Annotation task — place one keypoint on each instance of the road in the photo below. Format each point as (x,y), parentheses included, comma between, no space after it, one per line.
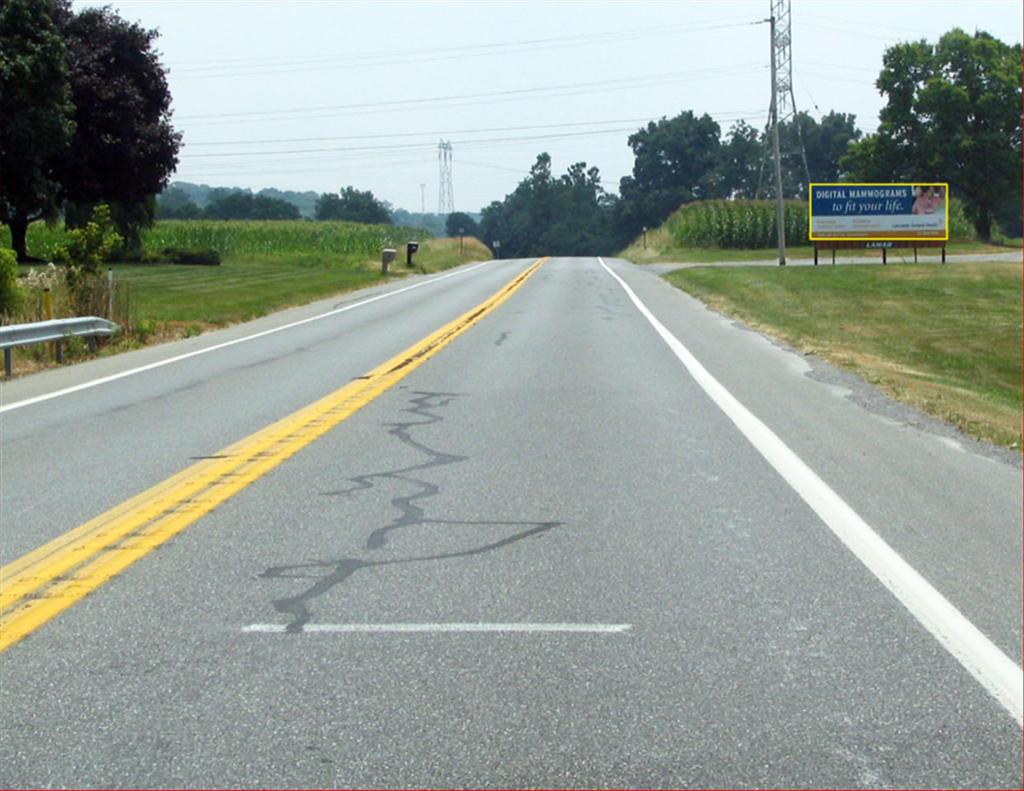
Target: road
(595,536)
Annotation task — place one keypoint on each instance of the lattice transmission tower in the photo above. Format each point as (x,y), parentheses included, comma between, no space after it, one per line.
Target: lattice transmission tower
(783,103)
(445,189)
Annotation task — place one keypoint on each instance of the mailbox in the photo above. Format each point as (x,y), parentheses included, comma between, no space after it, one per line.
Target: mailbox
(410,251)
(387,255)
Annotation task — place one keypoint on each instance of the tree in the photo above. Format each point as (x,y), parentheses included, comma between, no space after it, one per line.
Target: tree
(35,115)
(824,144)
(175,203)
(246,206)
(545,215)
(352,205)
(460,224)
(676,162)
(124,148)
(740,159)
(953,113)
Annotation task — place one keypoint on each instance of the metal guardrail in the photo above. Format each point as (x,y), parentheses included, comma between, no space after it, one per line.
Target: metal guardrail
(55,330)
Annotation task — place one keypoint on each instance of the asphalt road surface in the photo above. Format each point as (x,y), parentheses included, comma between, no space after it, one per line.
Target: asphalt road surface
(600,537)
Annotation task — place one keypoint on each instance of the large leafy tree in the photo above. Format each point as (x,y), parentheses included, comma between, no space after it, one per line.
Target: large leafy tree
(953,113)
(35,114)
(676,161)
(740,159)
(552,215)
(352,205)
(124,149)
(824,144)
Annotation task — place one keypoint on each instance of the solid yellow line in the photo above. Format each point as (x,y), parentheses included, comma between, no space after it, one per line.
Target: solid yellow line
(39,585)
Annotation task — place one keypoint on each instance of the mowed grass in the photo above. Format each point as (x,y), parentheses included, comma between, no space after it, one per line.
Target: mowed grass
(246,286)
(945,339)
(663,248)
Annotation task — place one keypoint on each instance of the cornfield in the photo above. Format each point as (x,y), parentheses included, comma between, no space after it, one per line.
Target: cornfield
(246,237)
(746,224)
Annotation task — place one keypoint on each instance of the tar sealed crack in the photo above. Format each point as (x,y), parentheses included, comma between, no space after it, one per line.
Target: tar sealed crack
(412,506)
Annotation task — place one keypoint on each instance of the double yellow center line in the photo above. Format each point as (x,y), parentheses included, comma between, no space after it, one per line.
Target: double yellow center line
(43,583)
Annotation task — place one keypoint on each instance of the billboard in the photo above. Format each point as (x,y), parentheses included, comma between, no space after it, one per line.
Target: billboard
(878,212)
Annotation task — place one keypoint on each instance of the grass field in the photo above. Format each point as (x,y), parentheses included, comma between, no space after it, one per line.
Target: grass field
(247,286)
(946,340)
(266,266)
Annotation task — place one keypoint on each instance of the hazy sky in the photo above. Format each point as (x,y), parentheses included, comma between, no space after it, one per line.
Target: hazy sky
(319,95)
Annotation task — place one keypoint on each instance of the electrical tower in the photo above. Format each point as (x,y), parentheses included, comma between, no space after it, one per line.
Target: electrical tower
(445,190)
(781,110)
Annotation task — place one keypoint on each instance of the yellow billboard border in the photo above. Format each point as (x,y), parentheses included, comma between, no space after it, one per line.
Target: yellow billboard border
(810,211)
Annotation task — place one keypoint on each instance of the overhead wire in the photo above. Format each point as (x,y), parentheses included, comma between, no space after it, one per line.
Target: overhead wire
(377,59)
(365,106)
(442,132)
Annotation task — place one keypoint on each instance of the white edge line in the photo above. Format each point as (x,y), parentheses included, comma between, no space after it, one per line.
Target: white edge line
(993,669)
(226,344)
(351,628)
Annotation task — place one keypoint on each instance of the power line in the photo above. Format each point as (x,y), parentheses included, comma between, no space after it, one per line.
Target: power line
(873,25)
(426,50)
(378,136)
(399,146)
(486,95)
(376,60)
(366,158)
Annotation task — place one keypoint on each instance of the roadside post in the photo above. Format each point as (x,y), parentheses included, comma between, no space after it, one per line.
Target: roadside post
(461,232)
(496,245)
(410,251)
(58,351)
(645,237)
(387,255)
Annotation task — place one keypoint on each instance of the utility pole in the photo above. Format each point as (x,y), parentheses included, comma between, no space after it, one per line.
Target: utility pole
(445,190)
(782,109)
(780,206)
(423,199)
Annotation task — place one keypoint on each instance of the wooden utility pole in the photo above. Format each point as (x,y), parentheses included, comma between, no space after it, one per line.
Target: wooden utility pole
(780,206)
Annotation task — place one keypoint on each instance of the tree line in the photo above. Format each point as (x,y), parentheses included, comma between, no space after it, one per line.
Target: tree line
(676,161)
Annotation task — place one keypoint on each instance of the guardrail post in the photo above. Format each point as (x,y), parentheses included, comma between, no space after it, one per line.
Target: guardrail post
(58,349)
(7,363)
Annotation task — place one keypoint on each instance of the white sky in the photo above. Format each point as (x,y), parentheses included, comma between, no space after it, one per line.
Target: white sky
(367,75)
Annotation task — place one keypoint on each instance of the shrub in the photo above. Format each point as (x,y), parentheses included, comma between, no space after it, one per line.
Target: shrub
(960,227)
(10,292)
(87,247)
(206,256)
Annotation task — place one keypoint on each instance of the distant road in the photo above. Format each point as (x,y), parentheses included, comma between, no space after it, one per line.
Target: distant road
(591,534)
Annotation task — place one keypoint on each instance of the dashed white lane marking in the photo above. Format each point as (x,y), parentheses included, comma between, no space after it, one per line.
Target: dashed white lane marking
(226,344)
(993,669)
(350,628)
